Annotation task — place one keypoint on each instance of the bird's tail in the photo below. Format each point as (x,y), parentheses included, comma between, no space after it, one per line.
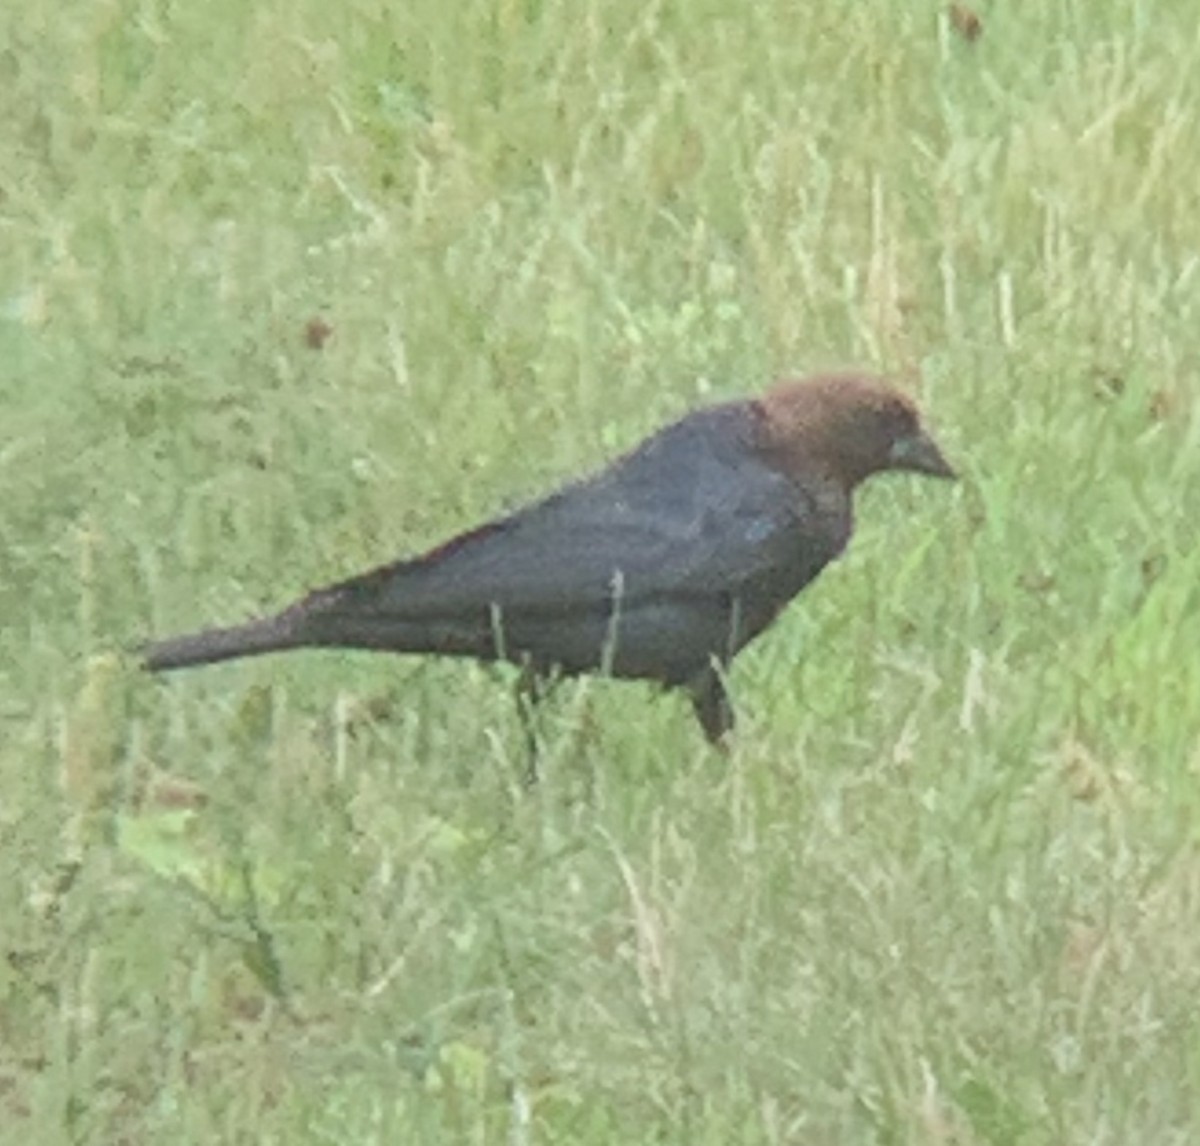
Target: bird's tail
(268,635)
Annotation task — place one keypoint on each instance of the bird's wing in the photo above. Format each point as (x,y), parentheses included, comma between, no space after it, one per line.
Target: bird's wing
(692,513)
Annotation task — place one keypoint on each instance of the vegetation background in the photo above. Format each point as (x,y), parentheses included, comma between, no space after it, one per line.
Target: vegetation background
(288,288)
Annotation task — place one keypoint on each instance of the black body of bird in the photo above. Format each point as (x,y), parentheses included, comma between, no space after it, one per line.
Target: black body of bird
(660,567)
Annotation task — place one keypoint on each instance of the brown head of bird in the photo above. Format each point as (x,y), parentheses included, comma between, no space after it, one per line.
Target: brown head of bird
(846,427)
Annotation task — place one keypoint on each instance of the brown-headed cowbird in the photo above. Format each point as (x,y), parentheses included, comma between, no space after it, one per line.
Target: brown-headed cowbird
(660,567)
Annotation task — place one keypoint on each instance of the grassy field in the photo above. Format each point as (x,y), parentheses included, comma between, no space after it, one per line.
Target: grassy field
(945,889)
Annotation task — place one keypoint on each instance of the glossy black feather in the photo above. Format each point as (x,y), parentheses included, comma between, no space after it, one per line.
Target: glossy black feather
(661,566)
(679,552)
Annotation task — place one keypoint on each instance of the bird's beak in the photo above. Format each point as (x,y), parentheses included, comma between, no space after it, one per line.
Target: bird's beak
(919,452)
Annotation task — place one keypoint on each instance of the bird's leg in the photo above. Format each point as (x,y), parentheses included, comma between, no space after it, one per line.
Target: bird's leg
(532,689)
(712,705)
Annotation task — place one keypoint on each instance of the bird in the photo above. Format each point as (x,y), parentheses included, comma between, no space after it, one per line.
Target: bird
(660,567)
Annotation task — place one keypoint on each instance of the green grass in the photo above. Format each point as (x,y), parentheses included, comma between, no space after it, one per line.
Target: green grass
(946,888)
